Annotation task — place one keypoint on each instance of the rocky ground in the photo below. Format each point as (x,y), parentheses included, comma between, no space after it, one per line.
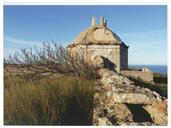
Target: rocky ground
(118,101)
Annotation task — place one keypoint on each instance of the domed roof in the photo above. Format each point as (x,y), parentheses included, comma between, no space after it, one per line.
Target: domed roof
(97,34)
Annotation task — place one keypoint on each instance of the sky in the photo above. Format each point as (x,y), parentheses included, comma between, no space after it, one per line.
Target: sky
(142,28)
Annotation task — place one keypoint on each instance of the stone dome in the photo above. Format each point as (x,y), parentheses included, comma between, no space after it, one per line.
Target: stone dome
(97,34)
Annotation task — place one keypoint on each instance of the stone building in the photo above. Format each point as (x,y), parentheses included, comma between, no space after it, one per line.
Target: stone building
(99,40)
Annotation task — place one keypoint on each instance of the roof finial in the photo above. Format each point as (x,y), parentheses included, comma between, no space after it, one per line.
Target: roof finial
(105,23)
(93,21)
(102,21)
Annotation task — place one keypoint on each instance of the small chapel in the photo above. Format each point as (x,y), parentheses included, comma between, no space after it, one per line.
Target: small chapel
(99,40)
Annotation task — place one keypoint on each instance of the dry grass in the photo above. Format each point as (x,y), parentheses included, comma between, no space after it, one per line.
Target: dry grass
(66,99)
(48,101)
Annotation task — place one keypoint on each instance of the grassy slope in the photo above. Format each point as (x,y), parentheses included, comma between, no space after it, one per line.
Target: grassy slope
(51,101)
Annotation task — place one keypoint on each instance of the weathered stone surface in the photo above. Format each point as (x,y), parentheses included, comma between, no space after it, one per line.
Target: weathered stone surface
(108,75)
(144,75)
(158,112)
(103,121)
(97,61)
(124,90)
(97,34)
(132,98)
(119,113)
(99,40)
(110,52)
(114,112)
(113,95)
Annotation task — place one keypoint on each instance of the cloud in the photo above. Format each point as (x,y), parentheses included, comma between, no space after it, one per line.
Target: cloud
(11,45)
(21,41)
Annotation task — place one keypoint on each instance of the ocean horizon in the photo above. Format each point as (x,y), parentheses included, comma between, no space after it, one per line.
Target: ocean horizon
(155,68)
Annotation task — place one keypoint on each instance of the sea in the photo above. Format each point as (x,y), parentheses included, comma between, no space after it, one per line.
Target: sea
(155,68)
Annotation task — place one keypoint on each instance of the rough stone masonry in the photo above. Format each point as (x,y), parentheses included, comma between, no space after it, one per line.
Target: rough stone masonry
(119,102)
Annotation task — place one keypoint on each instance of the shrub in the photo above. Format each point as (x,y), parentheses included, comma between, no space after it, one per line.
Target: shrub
(50,59)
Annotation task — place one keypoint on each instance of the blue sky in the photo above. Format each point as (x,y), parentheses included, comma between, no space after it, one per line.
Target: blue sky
(143,28)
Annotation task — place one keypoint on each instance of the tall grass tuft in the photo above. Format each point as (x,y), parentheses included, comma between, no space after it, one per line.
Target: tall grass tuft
(61,101)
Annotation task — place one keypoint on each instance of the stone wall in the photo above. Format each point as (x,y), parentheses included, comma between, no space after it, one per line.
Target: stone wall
(118,101)
(110,52)
(145,76)
(113,53)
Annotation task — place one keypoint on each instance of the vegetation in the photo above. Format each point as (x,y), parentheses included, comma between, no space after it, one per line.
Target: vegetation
(48,86)
(48,101)
(160,85)
(160,78)
(50,59)
(51,86)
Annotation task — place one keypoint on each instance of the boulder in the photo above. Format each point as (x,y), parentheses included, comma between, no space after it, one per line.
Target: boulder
(158,112)
(133,98)
(112,77)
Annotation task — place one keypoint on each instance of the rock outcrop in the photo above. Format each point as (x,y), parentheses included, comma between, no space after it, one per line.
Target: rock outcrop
(118,101)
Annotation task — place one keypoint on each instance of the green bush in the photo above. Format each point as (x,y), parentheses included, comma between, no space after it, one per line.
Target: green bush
(50,101)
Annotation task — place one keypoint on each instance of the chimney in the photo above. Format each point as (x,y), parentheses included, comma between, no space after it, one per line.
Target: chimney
(102,21)
(93,22)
